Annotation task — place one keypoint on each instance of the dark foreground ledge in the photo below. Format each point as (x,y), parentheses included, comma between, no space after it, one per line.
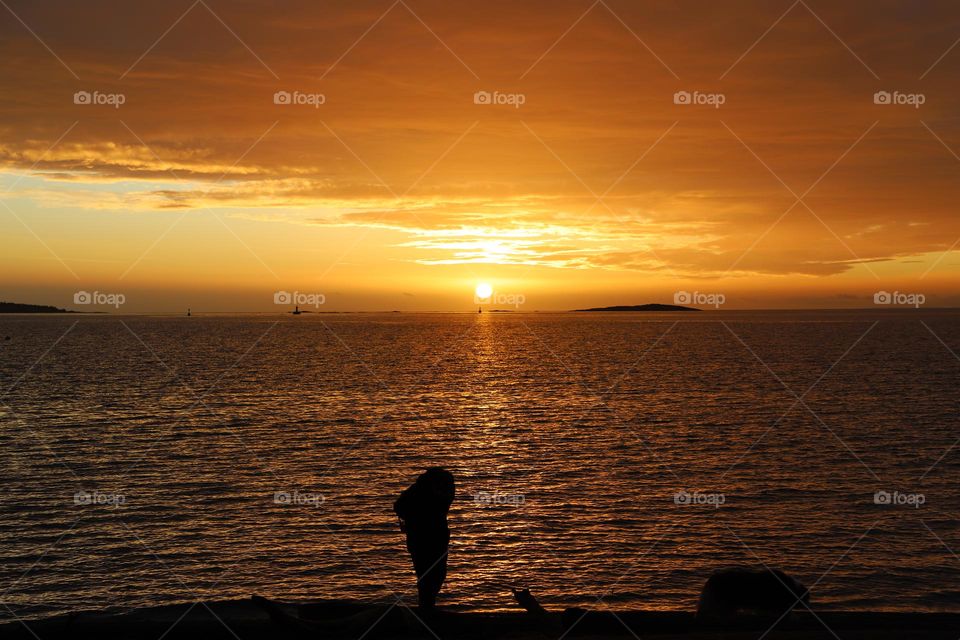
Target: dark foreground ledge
(249,620)
(827,624)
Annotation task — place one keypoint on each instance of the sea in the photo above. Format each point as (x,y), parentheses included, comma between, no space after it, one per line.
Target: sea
(608,460)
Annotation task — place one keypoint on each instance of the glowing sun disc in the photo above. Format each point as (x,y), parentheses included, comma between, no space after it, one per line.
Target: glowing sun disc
(483,290)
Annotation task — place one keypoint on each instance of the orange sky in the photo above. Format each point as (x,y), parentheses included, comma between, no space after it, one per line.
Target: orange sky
(401,192)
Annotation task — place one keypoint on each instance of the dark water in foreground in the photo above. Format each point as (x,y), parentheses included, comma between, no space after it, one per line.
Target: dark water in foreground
(578,429)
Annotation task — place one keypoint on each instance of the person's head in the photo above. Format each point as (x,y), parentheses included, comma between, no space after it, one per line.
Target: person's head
(438,481)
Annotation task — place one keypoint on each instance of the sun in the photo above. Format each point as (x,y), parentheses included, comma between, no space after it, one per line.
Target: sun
(483,290)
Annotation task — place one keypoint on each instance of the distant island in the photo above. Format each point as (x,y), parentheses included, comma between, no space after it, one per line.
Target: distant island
(642,307)
(15,307)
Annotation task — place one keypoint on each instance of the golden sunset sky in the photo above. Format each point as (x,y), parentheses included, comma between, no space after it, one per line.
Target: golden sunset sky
(400,191)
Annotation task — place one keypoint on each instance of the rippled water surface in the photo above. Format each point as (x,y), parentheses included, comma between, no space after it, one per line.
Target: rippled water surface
(584,426)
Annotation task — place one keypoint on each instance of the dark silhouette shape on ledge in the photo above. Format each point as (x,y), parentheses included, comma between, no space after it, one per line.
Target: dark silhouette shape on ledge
(422,509)
(729,592)
(527,600)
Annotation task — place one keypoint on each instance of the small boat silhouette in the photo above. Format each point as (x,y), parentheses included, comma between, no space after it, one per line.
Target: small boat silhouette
(296,310)
(479,309)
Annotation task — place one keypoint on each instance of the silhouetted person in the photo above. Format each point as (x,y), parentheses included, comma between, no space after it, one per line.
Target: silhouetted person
(422,509)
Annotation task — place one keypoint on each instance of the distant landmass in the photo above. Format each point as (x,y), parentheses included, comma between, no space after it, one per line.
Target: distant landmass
(642,307)
(15,307)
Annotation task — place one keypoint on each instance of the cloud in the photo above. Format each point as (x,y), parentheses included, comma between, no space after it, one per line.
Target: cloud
(400,145)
